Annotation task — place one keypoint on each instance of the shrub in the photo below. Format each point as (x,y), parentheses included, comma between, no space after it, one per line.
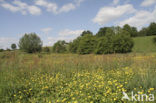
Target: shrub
(1,50)
(73,46)
(87,44)
(122,43)
(30,43)
(46,49)
(59,47)
(119,42)
(13,46)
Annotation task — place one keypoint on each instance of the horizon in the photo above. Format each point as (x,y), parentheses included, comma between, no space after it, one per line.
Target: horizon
(65,20)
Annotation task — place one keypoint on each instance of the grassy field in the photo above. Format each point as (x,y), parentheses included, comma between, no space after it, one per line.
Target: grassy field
(72,78)
(144,44)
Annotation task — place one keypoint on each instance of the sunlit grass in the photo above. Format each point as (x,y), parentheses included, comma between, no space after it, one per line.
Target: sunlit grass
(74,78)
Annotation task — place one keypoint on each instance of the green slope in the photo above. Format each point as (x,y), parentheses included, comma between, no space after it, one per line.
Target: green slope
(144,44)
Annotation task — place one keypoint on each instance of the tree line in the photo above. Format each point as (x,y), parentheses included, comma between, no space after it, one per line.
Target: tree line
(106,41)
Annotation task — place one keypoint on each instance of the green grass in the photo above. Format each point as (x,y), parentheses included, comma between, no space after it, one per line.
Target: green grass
(73,78)
(144,44)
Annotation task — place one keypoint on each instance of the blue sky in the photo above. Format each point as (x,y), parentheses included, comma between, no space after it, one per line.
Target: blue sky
(56,20)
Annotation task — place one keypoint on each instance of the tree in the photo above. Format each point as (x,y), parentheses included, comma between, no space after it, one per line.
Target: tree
(87,44)
(103,46)
(143,32)
(30,43)
(13,46)
(151,29)
(122,42)
(114,42)
(102,31)
(132,30)
(73,46)
(46,49)
(86,32)
(59,47)
(1,50)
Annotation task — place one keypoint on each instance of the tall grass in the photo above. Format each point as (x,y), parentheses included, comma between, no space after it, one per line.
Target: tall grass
(17,70)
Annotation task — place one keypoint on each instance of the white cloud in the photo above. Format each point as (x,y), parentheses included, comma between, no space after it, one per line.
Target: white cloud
(115,2)
(50,6)
(34,10)
(67,8)
(10,7)
(18,6)
(5,42)
(140,19)
(53,7)
(109,14)
(146,3)
(46,30)
(67,35)
(68,32)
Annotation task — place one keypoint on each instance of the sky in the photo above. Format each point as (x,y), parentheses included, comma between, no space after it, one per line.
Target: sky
(54,20)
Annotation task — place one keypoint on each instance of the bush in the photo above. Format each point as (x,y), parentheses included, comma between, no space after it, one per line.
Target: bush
(8,49)
(119,42)
(122,43)
(30,43)
(59,47)
(13,46)
(73,46)
(102,46)
(46,49)
(1,50)
(87,44)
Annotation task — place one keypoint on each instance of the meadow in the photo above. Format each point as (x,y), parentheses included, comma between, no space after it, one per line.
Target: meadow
(73,78)
(144,44)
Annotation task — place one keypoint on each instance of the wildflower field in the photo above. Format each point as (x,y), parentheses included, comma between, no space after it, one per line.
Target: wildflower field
(73,78)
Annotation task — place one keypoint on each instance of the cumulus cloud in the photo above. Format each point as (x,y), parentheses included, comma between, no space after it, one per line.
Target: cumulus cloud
(46,30)
(50,6)
(140,19)
(18,6)
(68,32)
(53,7)
(10,7)
(67,35)
(147,3)
(67,8)
(109,14)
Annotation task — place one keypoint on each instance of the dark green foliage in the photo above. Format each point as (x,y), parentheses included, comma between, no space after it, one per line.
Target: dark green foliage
(30,43)
(87,44)
(13,46)
(132,30)
(143,32)
(1,50)
(102,31)
(46,49)
(59,47)
(86,33)
(151,29)
(103,46)
(119,42)
(73,46)
(122,43)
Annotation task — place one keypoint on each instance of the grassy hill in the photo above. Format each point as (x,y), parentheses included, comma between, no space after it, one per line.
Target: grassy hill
(144,44)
